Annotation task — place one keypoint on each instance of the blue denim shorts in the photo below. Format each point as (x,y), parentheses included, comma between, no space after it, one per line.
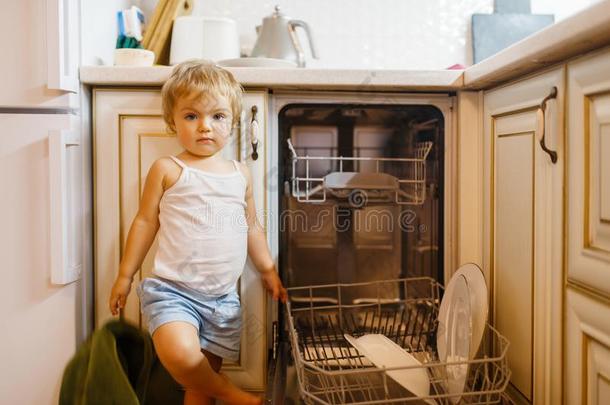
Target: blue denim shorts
(217,318)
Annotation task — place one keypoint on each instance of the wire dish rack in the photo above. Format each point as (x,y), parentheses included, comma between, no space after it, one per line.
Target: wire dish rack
(331,371)
(369,179)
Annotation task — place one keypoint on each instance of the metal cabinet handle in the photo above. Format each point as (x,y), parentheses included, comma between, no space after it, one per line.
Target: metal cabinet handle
(254,133)
(552,153)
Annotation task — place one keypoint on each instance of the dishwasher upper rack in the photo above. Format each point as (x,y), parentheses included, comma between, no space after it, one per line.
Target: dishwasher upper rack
(330,371)
(407,187)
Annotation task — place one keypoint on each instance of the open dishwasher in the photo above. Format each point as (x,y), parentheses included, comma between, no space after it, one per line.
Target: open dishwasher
(361,252)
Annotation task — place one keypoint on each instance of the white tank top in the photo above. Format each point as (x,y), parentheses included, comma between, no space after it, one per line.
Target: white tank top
(203,233)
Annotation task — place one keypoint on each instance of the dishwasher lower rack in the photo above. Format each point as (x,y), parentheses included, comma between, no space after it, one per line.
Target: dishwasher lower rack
(330,371)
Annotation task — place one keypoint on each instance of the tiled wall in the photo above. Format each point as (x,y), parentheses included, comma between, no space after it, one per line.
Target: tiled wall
(99,30)
(384,34)
(388,34)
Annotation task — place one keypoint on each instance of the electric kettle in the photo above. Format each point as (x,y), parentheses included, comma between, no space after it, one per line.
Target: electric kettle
(277,39)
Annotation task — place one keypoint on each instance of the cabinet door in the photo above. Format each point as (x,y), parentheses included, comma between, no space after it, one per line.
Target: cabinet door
(523,202)
(587,345)
(130,135)
(588,231)
(589,173)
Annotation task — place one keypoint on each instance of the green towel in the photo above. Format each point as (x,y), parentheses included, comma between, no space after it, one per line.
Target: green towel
(118,365)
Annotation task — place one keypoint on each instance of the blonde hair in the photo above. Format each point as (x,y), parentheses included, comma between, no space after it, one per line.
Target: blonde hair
(199,77)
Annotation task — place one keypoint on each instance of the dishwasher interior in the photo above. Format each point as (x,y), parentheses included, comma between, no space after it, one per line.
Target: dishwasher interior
(361,201)
(362,196)
(361,252)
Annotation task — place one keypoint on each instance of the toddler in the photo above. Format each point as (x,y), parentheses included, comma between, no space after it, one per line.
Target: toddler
(203,207)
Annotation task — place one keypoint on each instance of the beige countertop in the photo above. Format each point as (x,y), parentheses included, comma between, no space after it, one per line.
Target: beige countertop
(291,78)
(580,33)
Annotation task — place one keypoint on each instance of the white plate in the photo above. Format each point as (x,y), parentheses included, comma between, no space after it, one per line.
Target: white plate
(454,334)
(257,62)
(442,334)
(383,352)
(479,305)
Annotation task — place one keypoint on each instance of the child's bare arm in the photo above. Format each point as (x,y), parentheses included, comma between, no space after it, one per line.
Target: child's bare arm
(257,240)
(141,235)
(258,249)
(146,222)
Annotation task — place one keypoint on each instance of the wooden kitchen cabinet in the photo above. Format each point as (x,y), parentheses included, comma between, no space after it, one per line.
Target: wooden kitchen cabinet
(129,135)
(523,230)
(587,329)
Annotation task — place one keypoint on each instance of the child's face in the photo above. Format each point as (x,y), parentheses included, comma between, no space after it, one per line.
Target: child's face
(203,124)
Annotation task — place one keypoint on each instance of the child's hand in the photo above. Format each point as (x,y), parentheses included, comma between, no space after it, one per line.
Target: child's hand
(272,283)
(120,291)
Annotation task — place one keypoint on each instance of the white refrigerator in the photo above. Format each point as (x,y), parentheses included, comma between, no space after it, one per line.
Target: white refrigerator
(45,203)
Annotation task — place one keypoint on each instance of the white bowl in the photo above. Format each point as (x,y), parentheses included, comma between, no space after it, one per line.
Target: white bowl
(133,57)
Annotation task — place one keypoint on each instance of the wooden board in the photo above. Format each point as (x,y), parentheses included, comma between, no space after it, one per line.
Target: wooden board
(158,36)
(152,24)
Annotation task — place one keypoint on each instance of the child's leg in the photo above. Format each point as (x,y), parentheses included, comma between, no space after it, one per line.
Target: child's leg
(177,345)
(197,398)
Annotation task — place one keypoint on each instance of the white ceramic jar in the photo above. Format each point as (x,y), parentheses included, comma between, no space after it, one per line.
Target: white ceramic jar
(197,37)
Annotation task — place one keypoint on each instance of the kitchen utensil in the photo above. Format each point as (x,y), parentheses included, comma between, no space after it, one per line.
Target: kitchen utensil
(130,23)
(257,62)
(277,39)
(197,37)
(510,22)
(455,334)
(383,352)
(478,302)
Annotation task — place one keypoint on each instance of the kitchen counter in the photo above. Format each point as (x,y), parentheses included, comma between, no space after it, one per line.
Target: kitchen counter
(580,33)
(291,78)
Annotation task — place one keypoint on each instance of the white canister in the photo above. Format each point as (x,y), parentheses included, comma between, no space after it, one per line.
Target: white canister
(197,37)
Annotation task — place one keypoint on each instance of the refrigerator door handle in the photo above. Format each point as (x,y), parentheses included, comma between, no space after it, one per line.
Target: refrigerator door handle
(62,45)
(65,206)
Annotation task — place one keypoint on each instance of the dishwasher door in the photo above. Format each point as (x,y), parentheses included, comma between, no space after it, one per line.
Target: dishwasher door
(277,377)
